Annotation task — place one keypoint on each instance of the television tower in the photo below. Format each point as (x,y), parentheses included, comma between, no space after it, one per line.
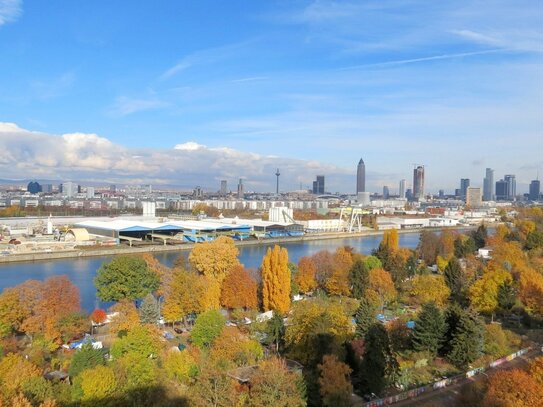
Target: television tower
(277,173)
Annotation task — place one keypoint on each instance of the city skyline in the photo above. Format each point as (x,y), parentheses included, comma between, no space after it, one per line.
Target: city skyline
(271,85)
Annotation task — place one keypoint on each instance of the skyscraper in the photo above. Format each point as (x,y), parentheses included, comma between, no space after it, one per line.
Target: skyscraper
(402,188)
(318,185)
(418,182)
(386,192)
(361,177)
(488,185)
(511,187)
(535,190)
(473,197)
(501,190)
(464,185)
(241,191)
(224,187)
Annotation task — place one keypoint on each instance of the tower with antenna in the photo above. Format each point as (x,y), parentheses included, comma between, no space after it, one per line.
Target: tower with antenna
(277,173)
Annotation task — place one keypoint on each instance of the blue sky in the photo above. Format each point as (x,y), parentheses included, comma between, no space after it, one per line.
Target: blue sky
(241,87)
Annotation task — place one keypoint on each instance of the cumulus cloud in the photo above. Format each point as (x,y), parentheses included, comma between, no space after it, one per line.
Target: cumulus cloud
(92,158)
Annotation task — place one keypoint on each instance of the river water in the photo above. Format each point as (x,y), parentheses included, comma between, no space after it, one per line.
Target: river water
(81,271)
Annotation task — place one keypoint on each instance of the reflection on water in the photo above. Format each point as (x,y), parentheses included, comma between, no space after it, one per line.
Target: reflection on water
(81,271)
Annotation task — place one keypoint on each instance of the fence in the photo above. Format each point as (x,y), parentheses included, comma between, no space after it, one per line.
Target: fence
(442,383)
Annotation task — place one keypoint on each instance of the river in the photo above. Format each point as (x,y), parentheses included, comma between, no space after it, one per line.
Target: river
(81,271)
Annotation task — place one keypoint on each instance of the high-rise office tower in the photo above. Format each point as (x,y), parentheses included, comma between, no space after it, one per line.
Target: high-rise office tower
(464,185)
(69,189)
(402,188)
(418,182)
(501,190)
(488,185)
(318,185)
(535,190)
(386,192)
(224,187)
(511,187)
(241,192)
(361,177)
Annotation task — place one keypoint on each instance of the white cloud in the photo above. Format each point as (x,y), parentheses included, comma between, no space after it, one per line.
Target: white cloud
(89,157)
(125,106)
(10,11)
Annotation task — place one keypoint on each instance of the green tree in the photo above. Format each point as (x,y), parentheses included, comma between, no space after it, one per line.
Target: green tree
(429,331)
(467,342)
(37,390)
(275,329)
(507,295)
(125,277)
(534,240)
(365,317)
(359,278)
(411,267)
(86,358)
(140,341)
(207,327)
(378,362)
(149,313)
(454,277)
(372,262)
(479,236)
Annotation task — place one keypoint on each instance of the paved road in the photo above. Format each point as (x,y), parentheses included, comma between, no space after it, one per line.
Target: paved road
(446,397)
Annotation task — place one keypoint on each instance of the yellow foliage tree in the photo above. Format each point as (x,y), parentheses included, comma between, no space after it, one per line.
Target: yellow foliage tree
(181,365)
(483,294)
(382,285)
(334,381)
(428,287)
(390,239)
(232,347)
(536,369)
(276,280)
(214,259)
(97,383)
(306,277)
(14,371)
(187,294)
(239,290)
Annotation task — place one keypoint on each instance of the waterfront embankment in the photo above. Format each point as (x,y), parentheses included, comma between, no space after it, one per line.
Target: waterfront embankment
(125,249)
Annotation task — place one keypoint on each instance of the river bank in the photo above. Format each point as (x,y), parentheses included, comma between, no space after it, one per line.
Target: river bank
(123,249)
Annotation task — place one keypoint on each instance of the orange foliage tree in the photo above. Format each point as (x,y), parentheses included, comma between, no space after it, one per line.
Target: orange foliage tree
(382,286)
(276,280)
(531,290)
(306,277)
(335,383)
(186,295)
(239,289)
(337,282)
(98,316)
(513,388)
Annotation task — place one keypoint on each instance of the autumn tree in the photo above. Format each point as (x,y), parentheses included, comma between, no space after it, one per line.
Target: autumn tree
(186,295)
(429,331)
(359,278)
(531,290)
(14,371)
(98,316)
(536,369)
(207,327)
(180,365)
(306,277)
(232,348)
(274,385)
(428,247)
(165,274)
(429,287)
(382,286)
(483,293)
(239,290)
(124,316)
(337,282)
(212,387)
(276,280)
(512,388)
(97,383)
(214,259)
(125,277)
(140,341)
(507,296)
(335,383)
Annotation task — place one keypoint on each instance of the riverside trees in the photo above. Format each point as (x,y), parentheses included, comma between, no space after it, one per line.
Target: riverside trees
(334,331)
